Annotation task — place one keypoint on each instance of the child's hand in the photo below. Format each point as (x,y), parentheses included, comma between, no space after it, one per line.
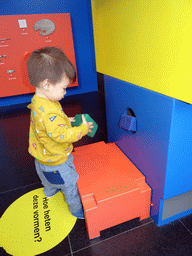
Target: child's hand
(71,119)
(89,125)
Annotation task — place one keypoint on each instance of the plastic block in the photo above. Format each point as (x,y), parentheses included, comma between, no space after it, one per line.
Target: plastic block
(78,122)
(128,122)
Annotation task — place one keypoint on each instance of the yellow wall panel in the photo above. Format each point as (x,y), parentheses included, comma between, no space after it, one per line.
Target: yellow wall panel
(147,43)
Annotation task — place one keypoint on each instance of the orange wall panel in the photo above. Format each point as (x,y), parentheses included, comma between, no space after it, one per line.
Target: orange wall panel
(16,40)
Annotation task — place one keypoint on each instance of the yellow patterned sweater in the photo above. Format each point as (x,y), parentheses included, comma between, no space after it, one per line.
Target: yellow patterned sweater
(51,134)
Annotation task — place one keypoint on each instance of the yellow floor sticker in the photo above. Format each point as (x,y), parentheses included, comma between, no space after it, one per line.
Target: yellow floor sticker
(34,224)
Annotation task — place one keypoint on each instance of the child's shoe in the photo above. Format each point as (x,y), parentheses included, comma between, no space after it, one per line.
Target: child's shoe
(79,214)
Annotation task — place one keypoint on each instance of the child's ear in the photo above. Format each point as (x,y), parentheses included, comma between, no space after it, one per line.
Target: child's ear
(45,84)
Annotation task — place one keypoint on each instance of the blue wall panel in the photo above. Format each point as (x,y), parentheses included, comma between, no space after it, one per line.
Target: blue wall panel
(81,19)
(148,147)
(179,163)
(161,147)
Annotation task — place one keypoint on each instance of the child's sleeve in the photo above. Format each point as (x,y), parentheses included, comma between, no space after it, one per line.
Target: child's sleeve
(59,129)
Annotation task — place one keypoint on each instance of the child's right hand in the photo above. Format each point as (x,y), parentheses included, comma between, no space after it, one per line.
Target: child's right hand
(88,124)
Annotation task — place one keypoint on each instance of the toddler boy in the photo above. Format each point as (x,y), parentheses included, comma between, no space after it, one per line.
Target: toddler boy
(51,134)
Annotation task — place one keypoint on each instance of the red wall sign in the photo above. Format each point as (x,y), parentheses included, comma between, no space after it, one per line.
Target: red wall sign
(21,34)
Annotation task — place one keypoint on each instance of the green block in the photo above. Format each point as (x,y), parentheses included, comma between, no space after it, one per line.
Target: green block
(78,122)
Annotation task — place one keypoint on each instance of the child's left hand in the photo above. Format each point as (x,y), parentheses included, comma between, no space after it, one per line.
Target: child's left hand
(71,119)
